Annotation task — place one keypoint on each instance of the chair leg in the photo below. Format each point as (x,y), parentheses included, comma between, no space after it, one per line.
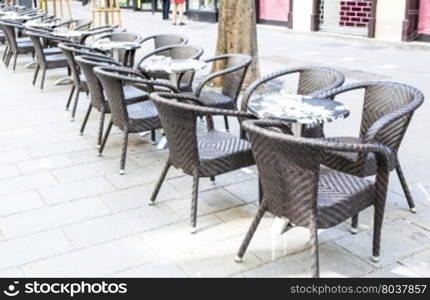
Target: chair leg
(159,183)
(315,267)
(69,100)
(124,152)
(212,179)
(405,187)
(227,127)
(260,191)
(194,201)
(354,224)
(102,145)
(250,234)
(84,122)
(14,61)
(75,105)
(8,58)
(36,72)
(101,127)
(43,78)
(210,122)
(377,228)
(153,136)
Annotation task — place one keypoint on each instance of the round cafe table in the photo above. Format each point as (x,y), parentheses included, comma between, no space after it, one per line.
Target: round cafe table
(175,68)
(123,52)
(298,110)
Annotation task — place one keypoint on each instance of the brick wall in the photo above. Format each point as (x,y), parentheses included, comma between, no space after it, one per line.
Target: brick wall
(355,13)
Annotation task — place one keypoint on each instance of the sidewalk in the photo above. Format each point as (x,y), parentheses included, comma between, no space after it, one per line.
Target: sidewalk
(66,212)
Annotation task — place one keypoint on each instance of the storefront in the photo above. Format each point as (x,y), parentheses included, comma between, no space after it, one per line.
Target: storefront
(275,12)
(138,4)
(354,17)
(203,10)
(423,30)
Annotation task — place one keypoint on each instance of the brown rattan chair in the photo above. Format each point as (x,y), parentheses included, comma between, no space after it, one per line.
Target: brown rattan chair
(131,118)
(198,153)
(312,80)
(44,62)
(163,40)
(70,50)
(175,52)
(97,97)
(233,74)
(14,45)
(298,189)
(388,108)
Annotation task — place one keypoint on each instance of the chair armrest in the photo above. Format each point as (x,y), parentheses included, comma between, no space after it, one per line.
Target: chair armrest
(151,53)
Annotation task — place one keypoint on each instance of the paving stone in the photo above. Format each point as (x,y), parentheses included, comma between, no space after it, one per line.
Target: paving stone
(26,183)
(43,164)
(76,190)
(399,239)
(31,248)
(419,263)
(119,225)
(393,271)
(9,171)
(157,270)
(21,202)
(334,262)
(13,156)
(96,261)
(15,272)
(52,217)
(421,218)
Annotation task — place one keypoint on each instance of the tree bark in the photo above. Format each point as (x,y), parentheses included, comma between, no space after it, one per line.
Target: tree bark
(237,33)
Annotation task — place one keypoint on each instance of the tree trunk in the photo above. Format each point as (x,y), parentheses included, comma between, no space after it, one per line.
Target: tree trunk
(237,33)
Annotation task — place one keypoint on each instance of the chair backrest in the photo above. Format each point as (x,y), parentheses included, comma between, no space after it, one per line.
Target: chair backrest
(10,35)
(112,84)
(179,124)
(123,37)
(238,64)
(70,50)
(163,40)
(312,80)
(288,169)
(383,98)
(87,65)
(82,24)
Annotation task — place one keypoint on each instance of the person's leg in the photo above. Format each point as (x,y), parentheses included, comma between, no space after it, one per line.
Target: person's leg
(181,13)
(175,13)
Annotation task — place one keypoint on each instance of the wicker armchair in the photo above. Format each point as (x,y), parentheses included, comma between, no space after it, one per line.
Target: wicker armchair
(175,52)
(388,108)
(163,40)
(15,46)
(233,74)
(81,24)
(132,118)
(44,62)
(70,50)
(312,80)
(297,188)
(98,101)
(198,153)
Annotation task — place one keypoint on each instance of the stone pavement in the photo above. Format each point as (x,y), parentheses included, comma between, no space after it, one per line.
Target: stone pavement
(65,212)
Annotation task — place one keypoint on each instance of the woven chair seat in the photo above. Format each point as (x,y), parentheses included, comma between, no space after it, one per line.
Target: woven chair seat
(341,195)
(56,61)
(23,40)
(25,47)
(343,161)
(217,100)
(143,116)
(221,152)
(52,51)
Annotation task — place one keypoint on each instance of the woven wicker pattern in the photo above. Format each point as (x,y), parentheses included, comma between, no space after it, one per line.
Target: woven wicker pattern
(130,118)
(199,154)
(312,81)
(14,47)
(298,189)
(163,40)
(387,110)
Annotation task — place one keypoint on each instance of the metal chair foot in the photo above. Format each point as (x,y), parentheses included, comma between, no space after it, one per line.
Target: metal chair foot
(413,210)
(238,259)
(151,203)
(193,230)
(353,230)
(375,259)
(121,172)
